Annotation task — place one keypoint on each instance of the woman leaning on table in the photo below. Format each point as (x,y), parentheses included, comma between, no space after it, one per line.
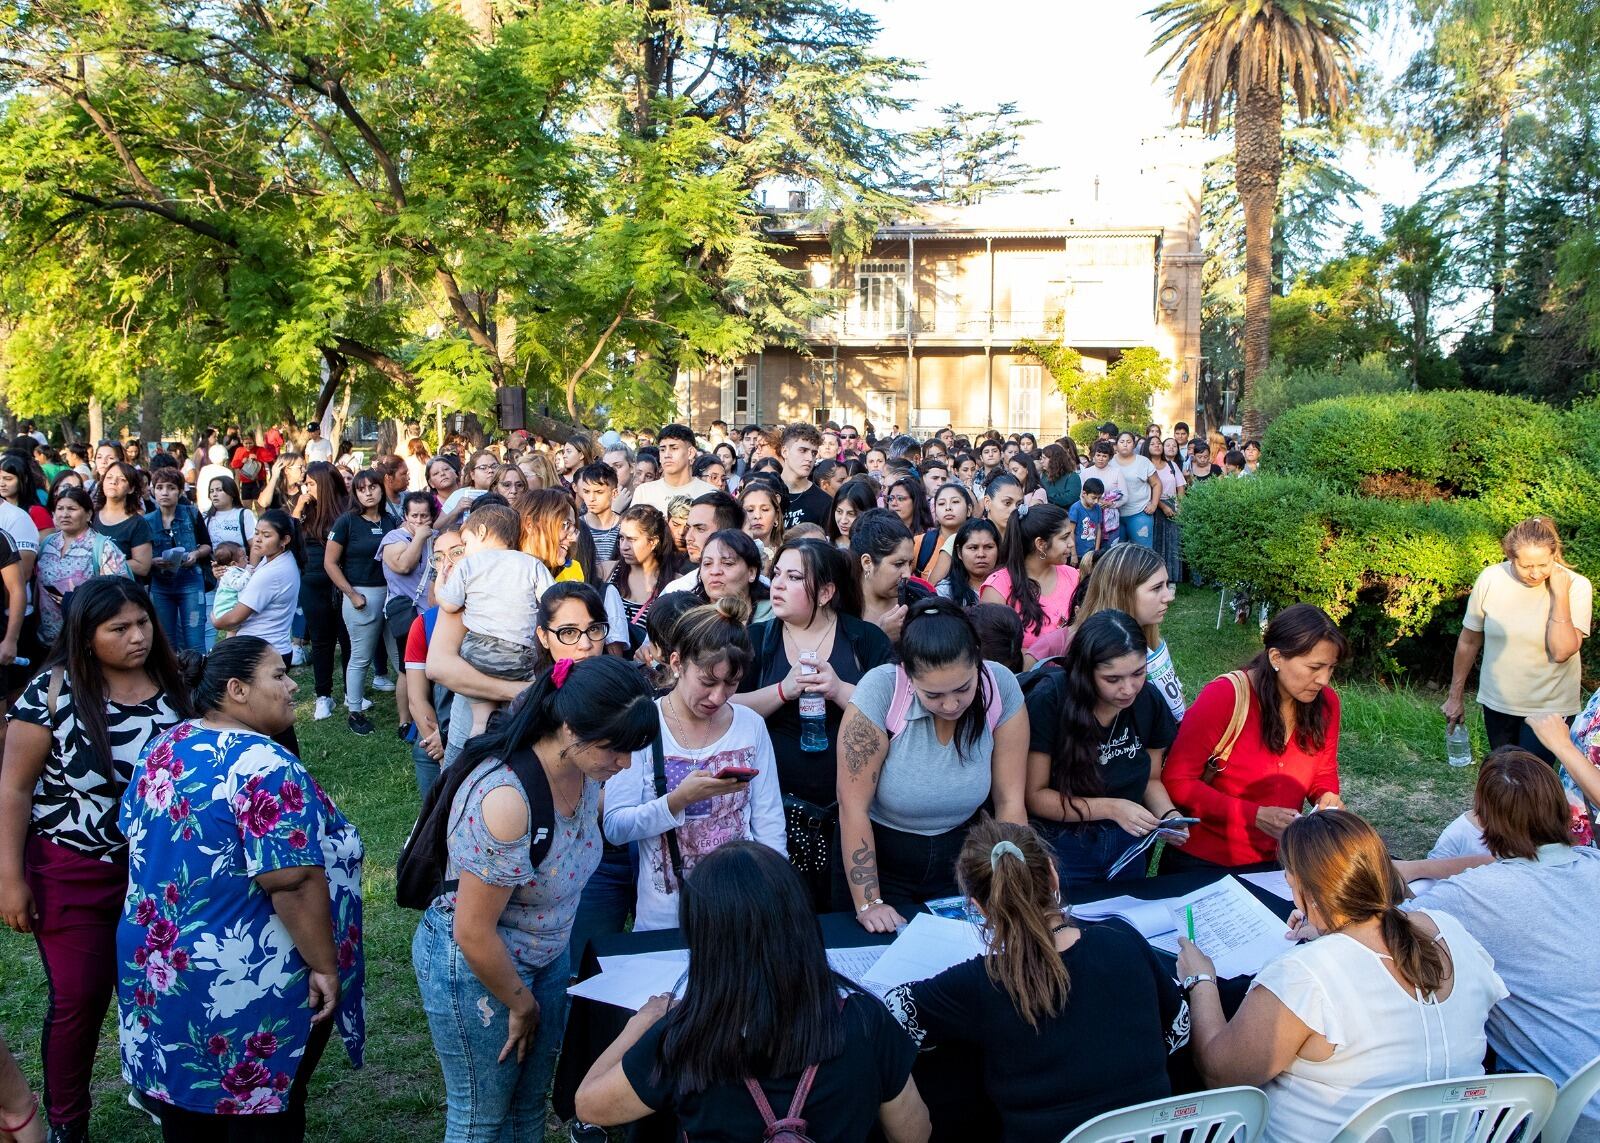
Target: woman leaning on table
(239,948)
(1528,615)
(1382,998)
(912,780)
(1284,756)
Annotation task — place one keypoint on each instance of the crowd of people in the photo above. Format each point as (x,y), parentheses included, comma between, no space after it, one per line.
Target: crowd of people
(730,683)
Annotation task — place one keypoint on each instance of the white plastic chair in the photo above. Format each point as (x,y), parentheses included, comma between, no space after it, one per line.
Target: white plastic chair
(1474,1109)
(1573,1097)
(1226,1115)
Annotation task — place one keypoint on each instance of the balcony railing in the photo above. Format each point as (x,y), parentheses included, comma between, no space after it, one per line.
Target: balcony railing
(1006,327)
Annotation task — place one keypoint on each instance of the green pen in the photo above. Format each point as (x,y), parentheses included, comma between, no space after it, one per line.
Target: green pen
(1188,915)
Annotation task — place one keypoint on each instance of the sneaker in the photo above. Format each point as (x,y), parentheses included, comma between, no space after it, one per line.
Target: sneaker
(360,723)
(324,707)
(581,1132)
(407,731)
(297,657)
(383,683)
(366,705)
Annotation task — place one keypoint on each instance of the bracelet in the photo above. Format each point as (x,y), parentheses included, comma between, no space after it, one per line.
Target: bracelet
(12,1129)
(781,697)
(1172,811)
(876,901)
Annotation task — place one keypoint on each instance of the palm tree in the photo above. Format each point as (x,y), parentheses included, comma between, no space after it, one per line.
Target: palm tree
(1237,55)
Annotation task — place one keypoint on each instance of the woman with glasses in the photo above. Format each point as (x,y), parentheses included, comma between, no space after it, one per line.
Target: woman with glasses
(510,482)
(479,477)
(118,518)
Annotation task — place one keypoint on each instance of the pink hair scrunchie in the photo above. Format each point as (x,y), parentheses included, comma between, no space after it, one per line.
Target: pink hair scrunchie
(559,673)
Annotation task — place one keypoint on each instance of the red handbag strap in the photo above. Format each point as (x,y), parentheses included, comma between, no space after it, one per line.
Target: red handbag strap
(791,1121)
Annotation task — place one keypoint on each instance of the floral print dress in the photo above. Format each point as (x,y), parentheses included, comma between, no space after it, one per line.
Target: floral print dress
(211,992)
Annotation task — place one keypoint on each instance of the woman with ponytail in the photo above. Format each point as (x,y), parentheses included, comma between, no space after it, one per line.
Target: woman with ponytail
(491,954)
(1036,578)
(715,779)
(233,847)
(1069,1022)
(1378,999)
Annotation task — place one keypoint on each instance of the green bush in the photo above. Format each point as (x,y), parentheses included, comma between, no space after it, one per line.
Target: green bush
(1281,388)
(1084,433)
(1388,571)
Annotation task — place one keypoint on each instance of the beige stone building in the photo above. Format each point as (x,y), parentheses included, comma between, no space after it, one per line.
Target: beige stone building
(928,322)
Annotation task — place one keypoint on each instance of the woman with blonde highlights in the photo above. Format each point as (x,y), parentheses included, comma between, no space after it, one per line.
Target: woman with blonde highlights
(1069,1022)
(1135,581)
(1381,998)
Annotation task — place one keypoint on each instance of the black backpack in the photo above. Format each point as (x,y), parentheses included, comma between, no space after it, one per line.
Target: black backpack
(419,875)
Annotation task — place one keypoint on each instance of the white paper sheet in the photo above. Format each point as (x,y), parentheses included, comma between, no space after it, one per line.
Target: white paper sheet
(855,963)
(1152,919)
(1274,881)
(632,985)
(679,957)
(1235,930)
(924,948)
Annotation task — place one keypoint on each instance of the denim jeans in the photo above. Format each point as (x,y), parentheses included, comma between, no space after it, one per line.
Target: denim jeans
(608,898)
(367,630)
(180,606)
(486,1101)
(1086,851)
(1139,528)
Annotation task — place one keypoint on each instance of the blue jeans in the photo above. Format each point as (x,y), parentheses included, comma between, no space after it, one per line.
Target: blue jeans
(1086,851)
(486,1101)
(180,606)
(1139,528)
(608,897)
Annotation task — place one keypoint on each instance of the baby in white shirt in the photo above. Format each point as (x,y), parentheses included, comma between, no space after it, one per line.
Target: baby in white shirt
(497,590)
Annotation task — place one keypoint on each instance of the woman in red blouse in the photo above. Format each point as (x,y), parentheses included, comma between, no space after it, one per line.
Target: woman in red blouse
(1285,756)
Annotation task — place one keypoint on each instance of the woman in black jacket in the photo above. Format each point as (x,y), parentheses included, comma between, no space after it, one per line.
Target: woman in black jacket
(816,610)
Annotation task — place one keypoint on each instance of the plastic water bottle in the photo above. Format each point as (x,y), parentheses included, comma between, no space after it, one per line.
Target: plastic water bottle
(1458,746)
(813,710)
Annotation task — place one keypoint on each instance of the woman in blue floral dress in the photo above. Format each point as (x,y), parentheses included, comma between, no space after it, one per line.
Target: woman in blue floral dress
(243,904)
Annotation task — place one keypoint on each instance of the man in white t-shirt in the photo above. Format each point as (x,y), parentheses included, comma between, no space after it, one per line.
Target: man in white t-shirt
(677,450)
(316,447)
(217,456)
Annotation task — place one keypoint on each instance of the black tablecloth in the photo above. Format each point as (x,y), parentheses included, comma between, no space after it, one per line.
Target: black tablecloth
(947,1078)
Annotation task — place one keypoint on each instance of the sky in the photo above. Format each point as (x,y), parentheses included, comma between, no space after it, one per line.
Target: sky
(1081,68)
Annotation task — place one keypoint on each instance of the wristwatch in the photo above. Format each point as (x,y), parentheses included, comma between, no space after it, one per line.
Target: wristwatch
(1197,978)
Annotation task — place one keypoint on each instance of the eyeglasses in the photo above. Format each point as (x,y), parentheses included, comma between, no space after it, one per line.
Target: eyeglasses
(569,636)
(484,467)
(436,558)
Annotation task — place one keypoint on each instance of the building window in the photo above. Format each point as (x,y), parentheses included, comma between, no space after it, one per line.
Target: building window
(1027,383)
(880,299)
(736,395)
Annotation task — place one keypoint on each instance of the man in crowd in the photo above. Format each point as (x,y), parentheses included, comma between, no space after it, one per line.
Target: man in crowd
(805,502)
(676,449)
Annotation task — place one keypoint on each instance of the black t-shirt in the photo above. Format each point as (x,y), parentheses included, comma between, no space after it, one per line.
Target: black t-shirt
(810,775)
(361,537)
(809,507)
(845,1096)
(129,534)
(1210,474)
(1125,745)
(1107,1049)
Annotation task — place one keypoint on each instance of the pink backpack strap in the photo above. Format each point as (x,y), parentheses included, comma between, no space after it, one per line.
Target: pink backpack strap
(792,1121)
(899,703)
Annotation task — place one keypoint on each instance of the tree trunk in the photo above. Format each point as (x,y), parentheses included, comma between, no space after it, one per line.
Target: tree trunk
(1258,161)
(1499,241)
(97,422)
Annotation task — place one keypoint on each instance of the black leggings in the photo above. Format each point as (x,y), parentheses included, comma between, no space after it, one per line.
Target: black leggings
(325,625)
(1512,730)
(179,1125)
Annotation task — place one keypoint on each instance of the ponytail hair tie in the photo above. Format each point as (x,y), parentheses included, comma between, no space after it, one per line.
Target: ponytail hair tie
(1001,848)
(559,673)
(1022,509)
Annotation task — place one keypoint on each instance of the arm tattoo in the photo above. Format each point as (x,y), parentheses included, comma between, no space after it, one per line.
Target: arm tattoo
(860,741)
(864,871)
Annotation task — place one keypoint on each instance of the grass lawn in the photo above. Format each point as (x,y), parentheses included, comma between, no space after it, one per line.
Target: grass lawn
(1391,755)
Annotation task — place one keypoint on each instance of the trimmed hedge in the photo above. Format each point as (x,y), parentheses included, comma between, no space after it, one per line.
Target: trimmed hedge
(1458,469)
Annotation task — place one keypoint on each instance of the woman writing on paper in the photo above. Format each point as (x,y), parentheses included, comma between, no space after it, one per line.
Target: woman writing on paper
(1069,1022)
(1382,998)
(1283,756)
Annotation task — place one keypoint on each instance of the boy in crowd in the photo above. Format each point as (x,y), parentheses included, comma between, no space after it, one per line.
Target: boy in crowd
(1112,492)
(805,502)
(597,488)
(1233,464)
(935,474)
(1088,519)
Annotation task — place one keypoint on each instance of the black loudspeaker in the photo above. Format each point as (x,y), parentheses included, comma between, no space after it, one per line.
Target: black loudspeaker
(510,407)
